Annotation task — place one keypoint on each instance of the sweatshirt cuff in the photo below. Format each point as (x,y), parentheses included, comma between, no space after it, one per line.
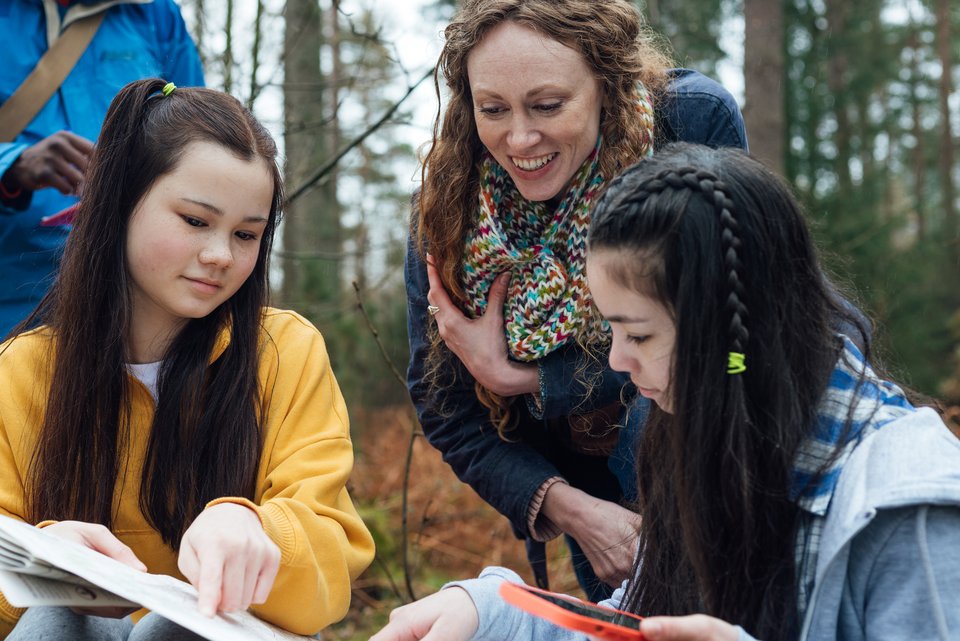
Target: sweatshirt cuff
(272,519)
(540,527)
(492,610)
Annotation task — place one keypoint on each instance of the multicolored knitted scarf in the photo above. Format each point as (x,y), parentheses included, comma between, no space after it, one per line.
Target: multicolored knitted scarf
(548,304)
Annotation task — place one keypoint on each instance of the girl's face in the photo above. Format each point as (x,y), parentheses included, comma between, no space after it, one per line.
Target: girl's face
(644,333)
(536,106)
(194,237)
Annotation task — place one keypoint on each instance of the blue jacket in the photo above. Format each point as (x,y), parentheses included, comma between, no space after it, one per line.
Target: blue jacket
(507,474)
(887,566)
(137,39)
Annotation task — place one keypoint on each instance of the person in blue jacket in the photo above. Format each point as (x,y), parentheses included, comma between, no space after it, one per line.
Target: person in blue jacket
(548,100)
(788,489)
(41,171)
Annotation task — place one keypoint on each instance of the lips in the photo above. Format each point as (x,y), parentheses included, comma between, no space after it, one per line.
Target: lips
(205,284)
(532,164)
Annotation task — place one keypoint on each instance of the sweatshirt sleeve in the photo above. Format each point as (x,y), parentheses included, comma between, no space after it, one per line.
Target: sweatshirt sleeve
(301,499)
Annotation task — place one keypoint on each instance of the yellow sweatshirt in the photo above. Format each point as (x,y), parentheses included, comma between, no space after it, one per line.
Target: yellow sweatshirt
(301,497)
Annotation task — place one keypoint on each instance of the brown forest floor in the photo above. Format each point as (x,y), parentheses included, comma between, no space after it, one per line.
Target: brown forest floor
(453,534)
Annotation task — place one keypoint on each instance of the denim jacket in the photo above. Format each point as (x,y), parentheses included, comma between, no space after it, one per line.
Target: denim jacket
(136,40)
(508,474)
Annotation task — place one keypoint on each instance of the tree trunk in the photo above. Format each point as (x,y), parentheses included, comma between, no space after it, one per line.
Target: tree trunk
(837,70)
(764,77)
(228,50)
(918,156)
(311,236)
(946,148)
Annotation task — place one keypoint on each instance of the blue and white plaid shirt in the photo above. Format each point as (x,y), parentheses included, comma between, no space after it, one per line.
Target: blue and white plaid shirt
(851,410)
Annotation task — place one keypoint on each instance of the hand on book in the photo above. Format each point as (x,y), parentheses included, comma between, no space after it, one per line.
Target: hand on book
(98,538)
(228,558)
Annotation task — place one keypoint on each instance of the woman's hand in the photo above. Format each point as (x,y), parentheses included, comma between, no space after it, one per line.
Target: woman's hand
(98,538)
(228,558)
(480,343)
(696,627)
(448,615)
(606,531)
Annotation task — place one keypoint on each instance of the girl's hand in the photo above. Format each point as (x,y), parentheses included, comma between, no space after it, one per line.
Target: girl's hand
(228,558)
(606,531)
(97,537)
(696,627)
(480,343)
(448,615)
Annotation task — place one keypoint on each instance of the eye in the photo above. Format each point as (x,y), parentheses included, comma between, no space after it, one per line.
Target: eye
(491,111)
(638,340)
(193,222)
(549,108)
(246,235)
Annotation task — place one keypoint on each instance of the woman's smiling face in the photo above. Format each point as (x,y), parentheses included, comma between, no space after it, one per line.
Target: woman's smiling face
(536,106)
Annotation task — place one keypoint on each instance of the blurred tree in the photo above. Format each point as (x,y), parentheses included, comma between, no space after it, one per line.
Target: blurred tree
(764,73)
(311,235)
(693,29)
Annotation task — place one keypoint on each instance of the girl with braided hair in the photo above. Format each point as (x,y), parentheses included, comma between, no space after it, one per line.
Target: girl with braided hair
(788,490)
(548,100)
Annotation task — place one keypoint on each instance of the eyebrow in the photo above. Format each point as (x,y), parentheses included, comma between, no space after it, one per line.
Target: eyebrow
(533,93)
(219,212)
(625,319)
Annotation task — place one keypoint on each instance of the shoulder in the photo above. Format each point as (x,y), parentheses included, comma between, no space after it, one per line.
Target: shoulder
(911,461)
(26,347)
(695,108)
(287,333)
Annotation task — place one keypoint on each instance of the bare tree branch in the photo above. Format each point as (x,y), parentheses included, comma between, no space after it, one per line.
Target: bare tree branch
(332,163)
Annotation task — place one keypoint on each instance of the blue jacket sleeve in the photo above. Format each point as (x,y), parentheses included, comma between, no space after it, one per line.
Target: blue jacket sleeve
(505,474)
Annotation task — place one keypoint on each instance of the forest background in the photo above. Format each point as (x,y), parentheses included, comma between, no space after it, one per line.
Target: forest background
(855,103)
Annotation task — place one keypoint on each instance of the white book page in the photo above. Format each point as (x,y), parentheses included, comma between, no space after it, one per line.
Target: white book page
(165,595)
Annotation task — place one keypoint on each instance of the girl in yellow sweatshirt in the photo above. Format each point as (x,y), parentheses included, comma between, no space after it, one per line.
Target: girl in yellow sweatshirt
(154,409)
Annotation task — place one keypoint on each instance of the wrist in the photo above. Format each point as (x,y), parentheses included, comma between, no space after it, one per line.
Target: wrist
(560,506)
(521,379)
(10,188)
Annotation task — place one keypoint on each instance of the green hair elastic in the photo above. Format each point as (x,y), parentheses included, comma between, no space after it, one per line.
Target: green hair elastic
(168,89)
(736,363)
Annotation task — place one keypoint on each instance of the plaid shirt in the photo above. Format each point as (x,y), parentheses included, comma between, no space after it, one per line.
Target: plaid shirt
(850,410)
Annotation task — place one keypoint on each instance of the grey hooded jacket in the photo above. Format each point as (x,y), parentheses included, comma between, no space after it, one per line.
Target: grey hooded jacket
(889,559)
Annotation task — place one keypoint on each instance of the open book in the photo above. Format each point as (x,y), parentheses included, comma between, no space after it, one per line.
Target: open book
(37,568)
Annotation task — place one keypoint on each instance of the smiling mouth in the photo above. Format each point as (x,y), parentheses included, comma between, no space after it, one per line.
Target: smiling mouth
(532,164)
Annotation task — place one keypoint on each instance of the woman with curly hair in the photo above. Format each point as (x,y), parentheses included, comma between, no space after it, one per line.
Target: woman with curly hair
(547,101)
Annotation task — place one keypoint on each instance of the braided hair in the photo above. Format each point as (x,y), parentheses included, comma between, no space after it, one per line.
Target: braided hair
(721,243)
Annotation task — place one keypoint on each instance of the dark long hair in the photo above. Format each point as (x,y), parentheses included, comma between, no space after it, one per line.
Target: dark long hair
(722,243)
(205,439)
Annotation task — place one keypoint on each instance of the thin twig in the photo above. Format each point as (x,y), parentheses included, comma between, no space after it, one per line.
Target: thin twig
(332,163)
(408,467)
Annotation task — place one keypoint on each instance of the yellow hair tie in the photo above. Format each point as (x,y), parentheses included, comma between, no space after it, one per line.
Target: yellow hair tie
(168,89)
(736,363)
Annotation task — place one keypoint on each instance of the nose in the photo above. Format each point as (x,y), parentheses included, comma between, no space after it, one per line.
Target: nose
(217,251)
(620,361)
(523,133)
